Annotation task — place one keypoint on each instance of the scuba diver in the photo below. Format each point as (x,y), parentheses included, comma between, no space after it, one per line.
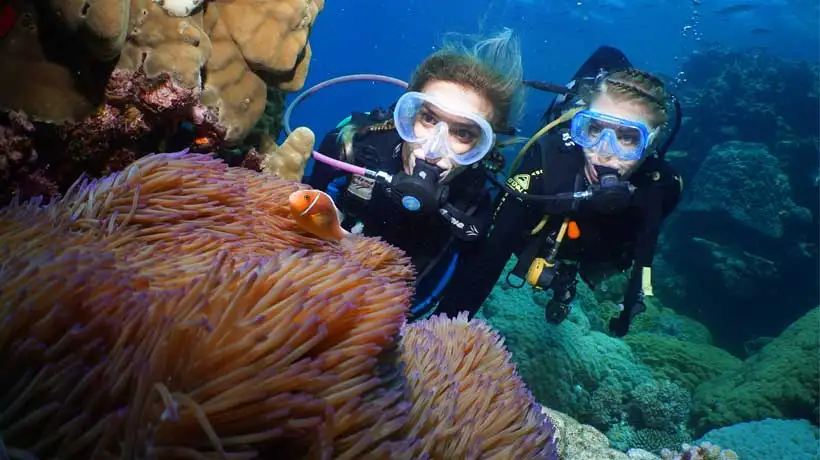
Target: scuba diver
(588,197)
(421,180)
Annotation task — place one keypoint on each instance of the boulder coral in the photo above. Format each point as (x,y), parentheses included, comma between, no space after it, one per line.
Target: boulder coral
(780,381)
(686,363)
(174,310)
(110,80)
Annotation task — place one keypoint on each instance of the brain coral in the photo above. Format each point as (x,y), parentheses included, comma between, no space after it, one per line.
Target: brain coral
(173,310)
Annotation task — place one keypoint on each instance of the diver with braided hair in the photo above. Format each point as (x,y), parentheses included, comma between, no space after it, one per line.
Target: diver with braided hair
(588,197)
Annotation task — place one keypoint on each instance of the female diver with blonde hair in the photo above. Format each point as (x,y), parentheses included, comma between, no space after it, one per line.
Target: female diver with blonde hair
(435,144)
(589,196)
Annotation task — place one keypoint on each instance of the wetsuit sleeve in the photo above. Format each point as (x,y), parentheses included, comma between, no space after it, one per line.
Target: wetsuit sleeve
(482,264)
(322,174)
(657,203)
(469,227)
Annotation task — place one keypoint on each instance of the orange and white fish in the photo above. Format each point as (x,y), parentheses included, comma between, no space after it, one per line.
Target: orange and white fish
(315,212)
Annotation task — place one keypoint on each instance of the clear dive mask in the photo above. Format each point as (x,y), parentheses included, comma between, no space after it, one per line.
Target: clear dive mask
(626,139)
(442,129)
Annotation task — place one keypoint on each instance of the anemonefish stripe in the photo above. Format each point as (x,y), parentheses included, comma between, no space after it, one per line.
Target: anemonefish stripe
(312,204)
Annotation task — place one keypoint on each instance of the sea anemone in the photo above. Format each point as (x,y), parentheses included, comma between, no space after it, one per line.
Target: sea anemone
(173,310)
(467,394)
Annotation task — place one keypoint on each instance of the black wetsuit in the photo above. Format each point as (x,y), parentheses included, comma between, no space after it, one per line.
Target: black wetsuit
(429,240)
(606,243)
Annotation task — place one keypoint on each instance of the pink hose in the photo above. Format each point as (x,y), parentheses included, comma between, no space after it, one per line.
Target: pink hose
(339,164)
(357,77)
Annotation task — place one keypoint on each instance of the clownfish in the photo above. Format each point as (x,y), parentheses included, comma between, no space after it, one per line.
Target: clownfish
(315,212)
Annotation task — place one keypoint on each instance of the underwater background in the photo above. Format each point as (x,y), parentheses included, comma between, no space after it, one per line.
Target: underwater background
(728,352)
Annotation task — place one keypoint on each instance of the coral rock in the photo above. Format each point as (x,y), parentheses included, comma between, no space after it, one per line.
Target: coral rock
(581,442)
(780,381)
(71,62)
(103,24)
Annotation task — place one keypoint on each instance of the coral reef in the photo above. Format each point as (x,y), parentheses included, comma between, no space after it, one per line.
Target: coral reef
(780,381)
(624,437)
(18,160)
(105,82)
(564,365)
(702,451)
(741,241)
(760,193)
(174,310)
(583,442)
(662,405)
(769,439)
(582,372)
(751,96)
(748,152)
(686,363)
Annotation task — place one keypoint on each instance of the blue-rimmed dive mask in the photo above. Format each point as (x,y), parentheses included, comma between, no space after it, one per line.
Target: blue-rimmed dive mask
(443,129)
(610,135)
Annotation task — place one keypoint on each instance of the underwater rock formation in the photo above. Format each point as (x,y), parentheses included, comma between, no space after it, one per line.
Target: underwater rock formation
(585,373)
(703,451)
(741,252)
(175,310)
(741,245)
(769,439)
(687,363)
(780,381)
(751,96)
(105,82)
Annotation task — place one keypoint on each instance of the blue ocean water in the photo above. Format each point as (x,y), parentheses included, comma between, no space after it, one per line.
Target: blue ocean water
(391,38)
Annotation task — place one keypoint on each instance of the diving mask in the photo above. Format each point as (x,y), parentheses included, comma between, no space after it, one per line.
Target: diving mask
(442,129)
(626,139)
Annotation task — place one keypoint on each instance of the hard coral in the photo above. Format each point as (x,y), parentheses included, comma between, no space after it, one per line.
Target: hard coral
(777,382)
(109,75)
(703,451)
(173,310)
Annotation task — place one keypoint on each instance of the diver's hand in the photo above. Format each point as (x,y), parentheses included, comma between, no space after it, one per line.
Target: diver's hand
(619,325)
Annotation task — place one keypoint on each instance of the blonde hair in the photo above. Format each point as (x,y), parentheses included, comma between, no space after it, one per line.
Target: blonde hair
(492,67)
(637,86)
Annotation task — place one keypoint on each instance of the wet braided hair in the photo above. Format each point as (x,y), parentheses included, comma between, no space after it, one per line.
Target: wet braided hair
(633,85)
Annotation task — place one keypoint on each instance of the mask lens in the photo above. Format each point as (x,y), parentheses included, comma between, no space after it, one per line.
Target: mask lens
(419,118)
(614,136)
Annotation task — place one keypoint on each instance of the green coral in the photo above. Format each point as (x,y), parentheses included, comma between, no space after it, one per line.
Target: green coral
(686,363)
(563,365)
(778,382)
(662,405)
(753,178)
(655,441)
(625,437)
(664,321)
